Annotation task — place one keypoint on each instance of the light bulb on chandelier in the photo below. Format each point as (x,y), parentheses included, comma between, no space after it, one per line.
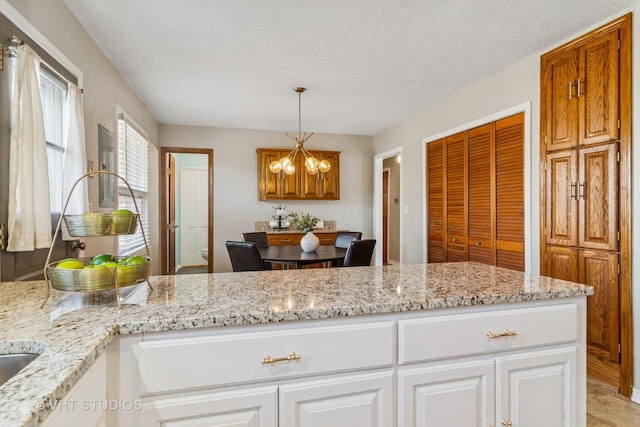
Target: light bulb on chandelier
(287,163)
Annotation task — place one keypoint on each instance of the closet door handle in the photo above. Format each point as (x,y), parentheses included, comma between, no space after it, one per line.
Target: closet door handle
(455,239)
(579,85)
(478,242)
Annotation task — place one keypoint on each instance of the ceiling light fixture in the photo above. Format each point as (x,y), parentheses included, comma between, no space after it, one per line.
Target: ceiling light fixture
(287,163)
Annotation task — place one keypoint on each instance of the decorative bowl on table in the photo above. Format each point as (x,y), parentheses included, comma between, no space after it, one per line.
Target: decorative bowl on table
(96,278)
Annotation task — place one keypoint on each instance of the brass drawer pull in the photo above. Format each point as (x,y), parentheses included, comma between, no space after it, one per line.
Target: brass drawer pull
(506,333)
(292,356)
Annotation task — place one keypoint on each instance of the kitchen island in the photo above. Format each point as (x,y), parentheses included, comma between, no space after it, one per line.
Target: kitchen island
(390,340)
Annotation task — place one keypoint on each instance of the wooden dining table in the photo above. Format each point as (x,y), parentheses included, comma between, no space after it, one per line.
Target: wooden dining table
(294,255)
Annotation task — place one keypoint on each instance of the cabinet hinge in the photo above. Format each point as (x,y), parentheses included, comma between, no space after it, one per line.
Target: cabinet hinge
(618,156)
(619,271)
(168,171)
(618,123)
(619,348)
(619,44)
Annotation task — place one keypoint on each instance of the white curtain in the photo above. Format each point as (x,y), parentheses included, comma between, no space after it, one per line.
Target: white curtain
(75,158)
(29,224)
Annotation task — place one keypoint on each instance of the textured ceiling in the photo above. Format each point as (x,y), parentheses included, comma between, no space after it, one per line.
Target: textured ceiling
(367,64)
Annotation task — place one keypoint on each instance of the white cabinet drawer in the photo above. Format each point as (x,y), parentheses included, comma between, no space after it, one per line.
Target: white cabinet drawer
(208,361)
(466,334)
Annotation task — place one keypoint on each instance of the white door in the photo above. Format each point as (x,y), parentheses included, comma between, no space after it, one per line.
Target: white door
(241,408)
(459,394)
(354,401)
(537,389)
(194,215)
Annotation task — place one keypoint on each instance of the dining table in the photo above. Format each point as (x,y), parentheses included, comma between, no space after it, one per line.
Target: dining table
(294,255)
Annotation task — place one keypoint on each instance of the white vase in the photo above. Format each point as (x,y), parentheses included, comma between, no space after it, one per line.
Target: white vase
(309,242)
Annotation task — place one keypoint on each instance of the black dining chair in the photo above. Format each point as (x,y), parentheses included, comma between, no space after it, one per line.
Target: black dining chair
(245,256)
(359,253)
(259,237)
(343,238)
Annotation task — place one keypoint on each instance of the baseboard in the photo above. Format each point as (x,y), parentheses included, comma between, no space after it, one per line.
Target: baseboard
(393,262)
(635,394)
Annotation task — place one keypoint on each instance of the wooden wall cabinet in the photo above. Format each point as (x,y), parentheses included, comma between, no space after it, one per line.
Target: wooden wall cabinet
(301,185)
(280,239)
(585,135)
(475,201)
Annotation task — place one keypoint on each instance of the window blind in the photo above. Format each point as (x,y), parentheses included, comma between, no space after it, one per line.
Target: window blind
(133,166)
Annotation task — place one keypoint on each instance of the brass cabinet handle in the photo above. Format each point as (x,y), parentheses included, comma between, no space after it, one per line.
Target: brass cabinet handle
(573,190)
(506,333)
(581,188)
(268,359)
(506,423)
(570,89)
(285,240)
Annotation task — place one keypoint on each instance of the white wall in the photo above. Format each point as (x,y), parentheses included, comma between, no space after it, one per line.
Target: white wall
(104,90)
(235,180)
(518,84)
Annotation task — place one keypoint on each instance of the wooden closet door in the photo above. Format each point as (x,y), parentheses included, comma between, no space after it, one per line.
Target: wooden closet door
(598,197)
(559,95)
(561,262)
(456,202)
(561,198)
(481,181)
(600,270)
(435,201)
(509,192)
(598,97)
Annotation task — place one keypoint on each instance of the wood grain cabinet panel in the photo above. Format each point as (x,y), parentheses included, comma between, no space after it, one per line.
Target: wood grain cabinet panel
(559,94)
(561,196)
(300,185)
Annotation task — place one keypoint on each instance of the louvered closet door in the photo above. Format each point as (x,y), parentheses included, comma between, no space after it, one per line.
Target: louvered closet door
(480,197)
(598,197)
(509,190)
(435,201)
(598,97)
(560,96)
(456,211)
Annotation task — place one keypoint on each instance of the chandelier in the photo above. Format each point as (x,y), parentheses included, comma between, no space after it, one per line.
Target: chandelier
(287,163)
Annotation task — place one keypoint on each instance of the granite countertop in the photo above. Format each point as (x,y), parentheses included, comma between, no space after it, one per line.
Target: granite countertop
(73,329)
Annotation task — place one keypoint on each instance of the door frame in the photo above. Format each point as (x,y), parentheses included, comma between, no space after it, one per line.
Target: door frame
(377,202)
(164,201)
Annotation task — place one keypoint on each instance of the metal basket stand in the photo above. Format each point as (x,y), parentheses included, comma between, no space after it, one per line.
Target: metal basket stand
(114,285)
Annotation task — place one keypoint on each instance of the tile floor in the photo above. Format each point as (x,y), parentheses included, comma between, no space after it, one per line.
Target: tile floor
(606,408)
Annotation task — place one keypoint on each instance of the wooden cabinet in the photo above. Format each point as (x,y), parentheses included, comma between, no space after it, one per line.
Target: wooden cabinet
(279,239)
(582,197)
(580,90)
(585,146)
(300,185)
(475,200)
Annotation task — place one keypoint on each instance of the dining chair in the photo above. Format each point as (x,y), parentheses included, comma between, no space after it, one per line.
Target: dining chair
(259,237)
(245,256)
(343,238)
(359,253)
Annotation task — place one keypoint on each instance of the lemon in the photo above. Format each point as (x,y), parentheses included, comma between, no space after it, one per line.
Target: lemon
(70,264)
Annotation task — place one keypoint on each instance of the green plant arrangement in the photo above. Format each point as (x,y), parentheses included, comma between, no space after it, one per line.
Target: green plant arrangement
(303,222)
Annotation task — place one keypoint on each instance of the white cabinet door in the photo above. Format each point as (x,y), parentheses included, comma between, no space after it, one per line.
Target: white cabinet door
(255,407)
(86,404)
(537,389)
(353,401)
(460,394)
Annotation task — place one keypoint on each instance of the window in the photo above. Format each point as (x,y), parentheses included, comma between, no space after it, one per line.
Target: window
(53,93)
(133,166)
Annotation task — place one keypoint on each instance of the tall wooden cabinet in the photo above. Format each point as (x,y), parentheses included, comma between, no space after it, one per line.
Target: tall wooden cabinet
(475,201)
(300,185)
(585,148)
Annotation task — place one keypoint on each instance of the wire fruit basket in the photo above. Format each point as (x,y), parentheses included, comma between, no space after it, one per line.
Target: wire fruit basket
(88,277)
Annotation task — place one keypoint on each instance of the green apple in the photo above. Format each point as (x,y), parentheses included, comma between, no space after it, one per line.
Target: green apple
(121,220)
(136,260)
